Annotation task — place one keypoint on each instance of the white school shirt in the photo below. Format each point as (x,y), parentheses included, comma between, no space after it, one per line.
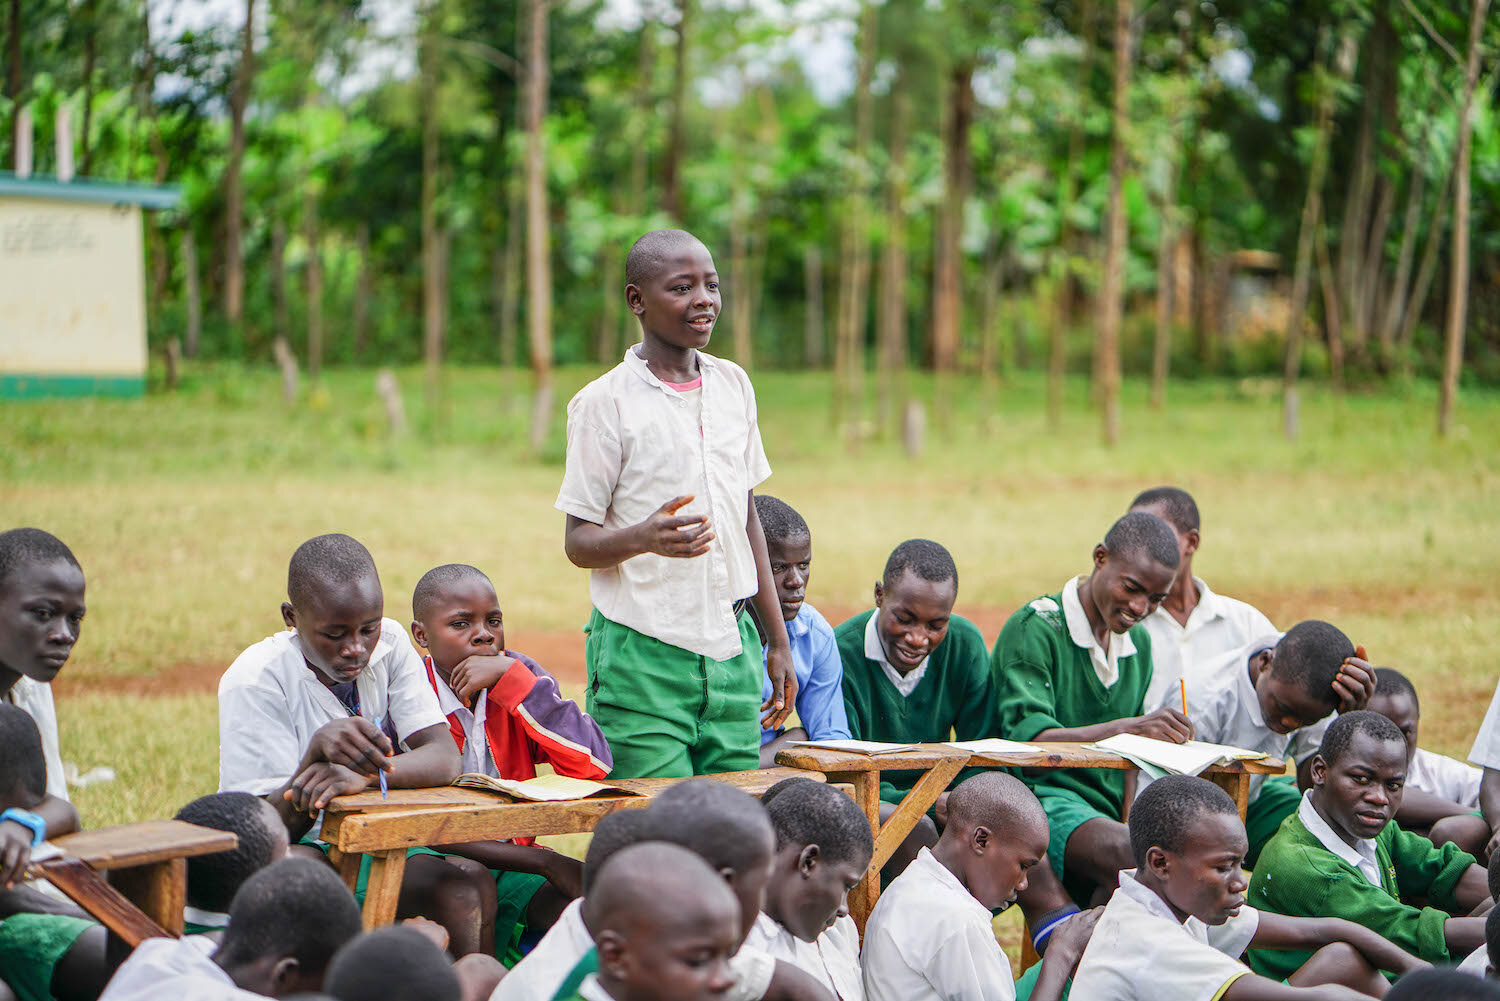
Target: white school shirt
(177,968)
(1361,854)
(542,970)
(833,960)
(1215,626)
(634,444)
(1444,777)
(271,703)
(904,683)
(35,697)
(929,939)
(1486,750)
(476,752)
(1139,950)
(1224,710)
(1477,963)
(1106,661)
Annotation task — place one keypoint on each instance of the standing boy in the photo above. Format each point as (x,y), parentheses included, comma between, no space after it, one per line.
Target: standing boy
(815,652)
(664,453)
(1074,666)
(1343,854)
(1193,625)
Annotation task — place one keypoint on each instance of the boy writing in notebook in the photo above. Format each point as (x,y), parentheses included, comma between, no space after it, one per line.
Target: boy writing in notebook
(1343,854)
(1177,924)
(506,714)
(664,453)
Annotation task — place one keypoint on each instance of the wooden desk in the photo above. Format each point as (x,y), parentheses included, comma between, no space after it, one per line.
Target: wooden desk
(365,824)
(147,863)
(941,763)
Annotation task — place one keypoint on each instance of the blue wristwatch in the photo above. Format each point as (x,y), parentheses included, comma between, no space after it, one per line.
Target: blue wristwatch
(33,822)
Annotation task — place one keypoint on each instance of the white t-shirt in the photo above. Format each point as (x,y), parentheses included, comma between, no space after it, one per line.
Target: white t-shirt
(929,939)
(542,971)
(1477,962)
(1215,626)
(1139,950)
(634,444)
(271,703)
(176,968)
(1444,777)
(1486,750)
(36,698)
(833,960)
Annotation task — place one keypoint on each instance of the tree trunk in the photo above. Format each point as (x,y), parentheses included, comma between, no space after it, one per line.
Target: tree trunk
(13,54)
(314,284)
(1060,316)
(1361,185)
(1333,326)
(813,346)
(1425,272)
(234,194)
(1161,348)
(672,169)
(432,290)
(1458,257)
(891,355)
(948,265)
(1112,289)
(510,291)
(280,318)
(538,243)
(190,290)
(90,47)
(849,355)
(1395,302)
(362,291)
(740,288)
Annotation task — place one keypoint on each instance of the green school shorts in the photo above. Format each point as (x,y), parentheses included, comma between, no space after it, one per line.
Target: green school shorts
(31,946)
(1277,800)
(1066,812)
(669,712)
(514,890)
(362,883)
(1027,984)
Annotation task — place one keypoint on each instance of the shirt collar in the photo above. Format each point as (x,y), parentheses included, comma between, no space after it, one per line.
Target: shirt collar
(1106,662)
(1248,697)
(635,363)
(1143,895)
(204,919)
(592,990)
(928,863)
(1361,855)
(801,624)
(905,683)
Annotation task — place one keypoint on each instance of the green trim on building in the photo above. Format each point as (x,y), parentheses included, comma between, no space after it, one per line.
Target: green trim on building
(26,386)
(83,189)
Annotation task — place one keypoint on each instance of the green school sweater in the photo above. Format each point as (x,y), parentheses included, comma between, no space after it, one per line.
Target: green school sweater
(1296,875)
(955,696)
(1045,681)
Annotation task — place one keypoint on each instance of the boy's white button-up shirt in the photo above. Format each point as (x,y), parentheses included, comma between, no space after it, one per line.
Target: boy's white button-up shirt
(1444,777)
(179,968)
(1486,750)
(35,697)
(1139,951)
(833,960)
(634,444)
(1216,626)
(929,939)
(271,703)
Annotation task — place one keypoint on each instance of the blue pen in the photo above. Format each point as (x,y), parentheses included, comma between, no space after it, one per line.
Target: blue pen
(384,791)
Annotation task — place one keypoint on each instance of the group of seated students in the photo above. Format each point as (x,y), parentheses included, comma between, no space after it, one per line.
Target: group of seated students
(1365,865)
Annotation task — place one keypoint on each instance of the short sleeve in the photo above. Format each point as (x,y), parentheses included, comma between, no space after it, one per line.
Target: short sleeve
(752,974)
(258,749)
(1486,750)
(757,466)
(413,703)
(594,457)
(1233,937)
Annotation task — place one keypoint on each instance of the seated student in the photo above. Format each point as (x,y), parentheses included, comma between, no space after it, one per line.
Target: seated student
(318,710)
(1443,985)
(392,964)
(815,652)
(213,880)
(666,927)
(823,847)
(1441,796)
(1177,924)
(1193,625)
(1277,695)
(506,714)
(285,924)
(930,938)
(1342,854)
(1074,666)
(1478,962)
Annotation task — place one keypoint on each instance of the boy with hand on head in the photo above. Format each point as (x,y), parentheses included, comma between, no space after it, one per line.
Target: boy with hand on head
(318,710)
(1277,695)
(213,880)
(1343,854)
(815,652)
(1177,925)
(1441,797)
(823,847)
(1193,625)
(664,453)
(505,713)
(1075,666)
(930,938)
(285,924)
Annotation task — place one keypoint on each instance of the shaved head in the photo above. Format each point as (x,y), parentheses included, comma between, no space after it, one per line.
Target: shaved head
(650,254)
(726,826)
(436,582)
(996,800)
(653,886)
(327,562)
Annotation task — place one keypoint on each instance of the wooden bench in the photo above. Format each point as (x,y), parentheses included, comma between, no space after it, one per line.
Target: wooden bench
(366,824)
(147,863)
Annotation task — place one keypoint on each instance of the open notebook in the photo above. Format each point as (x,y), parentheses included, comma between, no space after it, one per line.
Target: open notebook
(543,788)
(1162,757)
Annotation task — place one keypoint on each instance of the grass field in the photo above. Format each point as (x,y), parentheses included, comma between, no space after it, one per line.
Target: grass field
(183,509)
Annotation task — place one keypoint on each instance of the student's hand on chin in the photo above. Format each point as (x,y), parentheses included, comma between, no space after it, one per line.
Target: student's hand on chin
(320,782)
(355,743)
(1355,684)
(15,852)
(476,673)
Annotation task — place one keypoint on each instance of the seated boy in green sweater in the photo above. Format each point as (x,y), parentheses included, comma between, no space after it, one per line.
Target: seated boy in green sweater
(1342,854)
(1075,666)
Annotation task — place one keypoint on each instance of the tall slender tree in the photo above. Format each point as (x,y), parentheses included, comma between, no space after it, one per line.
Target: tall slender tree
(1112,289)
(538,241)
(854,277)
(234,191)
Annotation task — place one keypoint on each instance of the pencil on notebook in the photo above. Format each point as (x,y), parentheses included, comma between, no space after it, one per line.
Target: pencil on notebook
(1182,683)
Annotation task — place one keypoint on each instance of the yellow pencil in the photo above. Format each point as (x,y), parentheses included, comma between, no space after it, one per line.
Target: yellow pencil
(1182,682)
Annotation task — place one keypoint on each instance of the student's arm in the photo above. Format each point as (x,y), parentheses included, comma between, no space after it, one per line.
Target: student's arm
(1489,805)
(1446,876)
(562,871)
(1281,931)
(560,733)
(664,532)
(1251,987)
(768,610)
(789,983)
(1165,723)
(432,760)
(1423,809)
(1064,950)
(771,748)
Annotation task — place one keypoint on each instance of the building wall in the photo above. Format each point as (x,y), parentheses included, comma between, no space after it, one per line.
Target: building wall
(72,298)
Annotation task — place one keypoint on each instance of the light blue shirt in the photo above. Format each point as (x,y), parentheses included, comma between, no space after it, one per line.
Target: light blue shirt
(820,676)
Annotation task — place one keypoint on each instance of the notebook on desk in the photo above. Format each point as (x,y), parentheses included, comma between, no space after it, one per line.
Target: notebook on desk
(542,789)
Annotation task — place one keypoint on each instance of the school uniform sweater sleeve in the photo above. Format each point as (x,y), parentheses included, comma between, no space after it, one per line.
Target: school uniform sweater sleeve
(559,732)
(1424,869)
(1022,666)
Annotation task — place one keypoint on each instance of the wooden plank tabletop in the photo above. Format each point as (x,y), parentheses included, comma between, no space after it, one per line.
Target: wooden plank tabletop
(127,845)
(1047,754)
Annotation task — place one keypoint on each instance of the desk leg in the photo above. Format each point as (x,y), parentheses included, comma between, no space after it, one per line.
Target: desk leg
(867,795)
(381,893)
(347,864)
(158,889)
(913,806)
(1237,785)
